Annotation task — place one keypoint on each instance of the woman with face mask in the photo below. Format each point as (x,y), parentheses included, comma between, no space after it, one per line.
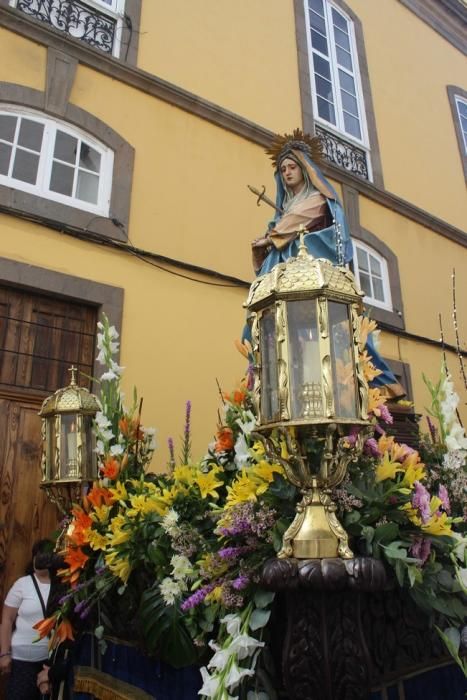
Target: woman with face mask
(21,657)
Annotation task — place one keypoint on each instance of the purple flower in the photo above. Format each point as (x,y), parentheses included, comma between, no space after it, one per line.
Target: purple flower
(187,419)
(379,429)
(80,606)
(371,448)
(232,552)
(444,496)
(421,501)
(85,613)
(240,582)
(351,438)
(197,597)
(421,549)
(432,429)
(385,414)
(250,373)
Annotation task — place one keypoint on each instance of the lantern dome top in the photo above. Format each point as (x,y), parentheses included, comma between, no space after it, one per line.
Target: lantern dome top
(301,275)
(72,398)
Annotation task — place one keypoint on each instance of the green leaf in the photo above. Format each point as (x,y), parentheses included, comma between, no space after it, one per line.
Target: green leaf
(259,619)
(450,640)
(352,517)
(386,533)
(164,630)
(263,598)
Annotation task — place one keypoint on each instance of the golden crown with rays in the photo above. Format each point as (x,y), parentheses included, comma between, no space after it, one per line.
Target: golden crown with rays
(297,140)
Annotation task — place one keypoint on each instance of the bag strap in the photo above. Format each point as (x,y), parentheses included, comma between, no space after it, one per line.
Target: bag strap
(36,586)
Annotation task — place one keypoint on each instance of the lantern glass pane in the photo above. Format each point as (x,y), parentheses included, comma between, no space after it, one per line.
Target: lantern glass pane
(89,457)
(304,360)
(69,464)
(269,380)
(342,358)
(50,449)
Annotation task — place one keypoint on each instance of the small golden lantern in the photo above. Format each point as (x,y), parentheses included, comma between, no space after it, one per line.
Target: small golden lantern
(69,460)
(309,390)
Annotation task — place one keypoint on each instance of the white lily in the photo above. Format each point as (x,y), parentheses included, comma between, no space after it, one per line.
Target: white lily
(210,683)
(243,646)
(233,624)
(235,676)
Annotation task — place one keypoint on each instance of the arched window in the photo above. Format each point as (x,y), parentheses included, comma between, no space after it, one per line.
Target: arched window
(337,94)
(50,158)
(371,271)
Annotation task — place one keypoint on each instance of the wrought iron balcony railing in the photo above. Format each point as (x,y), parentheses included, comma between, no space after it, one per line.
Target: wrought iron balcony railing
(343,153)
(77,19)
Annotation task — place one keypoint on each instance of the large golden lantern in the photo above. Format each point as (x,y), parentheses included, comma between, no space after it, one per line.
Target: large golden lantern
(68,457)
(309,390)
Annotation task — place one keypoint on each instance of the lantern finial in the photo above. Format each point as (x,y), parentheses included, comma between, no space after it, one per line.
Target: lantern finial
(302,249)
(73,371)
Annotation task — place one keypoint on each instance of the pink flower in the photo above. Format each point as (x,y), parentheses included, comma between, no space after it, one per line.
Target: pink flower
(421,501)
(444,496)
(385,414)
(421,549)
(371,448)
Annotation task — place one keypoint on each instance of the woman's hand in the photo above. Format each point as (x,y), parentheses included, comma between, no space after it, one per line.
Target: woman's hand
(43,680)
(5,664)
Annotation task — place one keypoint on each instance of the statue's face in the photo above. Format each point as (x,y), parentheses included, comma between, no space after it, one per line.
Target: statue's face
(292,174)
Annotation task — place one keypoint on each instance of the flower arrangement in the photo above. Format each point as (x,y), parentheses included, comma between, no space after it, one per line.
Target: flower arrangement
(173,561)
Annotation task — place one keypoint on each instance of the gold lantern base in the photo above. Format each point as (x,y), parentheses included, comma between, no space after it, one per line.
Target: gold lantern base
(315,532)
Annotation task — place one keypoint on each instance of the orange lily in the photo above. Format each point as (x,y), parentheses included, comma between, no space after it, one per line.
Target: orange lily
(98,495)
(63,631)
(75,558)
(45,626)
(111,468)
(224,440)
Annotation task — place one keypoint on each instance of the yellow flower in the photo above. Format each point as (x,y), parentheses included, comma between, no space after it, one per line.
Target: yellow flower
(145,504)
(375,399)
(243,489)
(387,469)
(119,493)
(184,474)
(100,514)
(385,443)
(213,565)
(366,327)
(258,449)
(412,514)
(208,483)
(120,536)
(438,525)
(369,370)
(117,522)
(119,567)
(414,472)
(215,596)
(97,541)
(263,474)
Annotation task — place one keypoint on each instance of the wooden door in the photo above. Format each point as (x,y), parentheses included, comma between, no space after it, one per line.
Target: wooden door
(40,337)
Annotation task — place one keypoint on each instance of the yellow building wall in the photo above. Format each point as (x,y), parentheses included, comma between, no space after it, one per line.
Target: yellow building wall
(240,55)
(245,59)
(177,335)
(190,202)
(410,67)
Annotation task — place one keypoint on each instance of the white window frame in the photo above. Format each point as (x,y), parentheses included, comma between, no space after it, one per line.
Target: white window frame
(116,11)
(46,157)
(458,100)
(339,127)
(370,300)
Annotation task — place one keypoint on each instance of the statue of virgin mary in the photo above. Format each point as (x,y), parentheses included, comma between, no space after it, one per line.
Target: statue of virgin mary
(306,200)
